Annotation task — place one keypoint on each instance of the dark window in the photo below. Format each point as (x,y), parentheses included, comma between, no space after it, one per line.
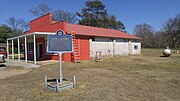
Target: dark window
(126,40)
(93,38)
(135,47)
(120,40)
(31,47)
(134,40)
(103,39)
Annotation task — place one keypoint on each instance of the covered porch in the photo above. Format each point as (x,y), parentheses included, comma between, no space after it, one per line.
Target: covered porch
(31,46)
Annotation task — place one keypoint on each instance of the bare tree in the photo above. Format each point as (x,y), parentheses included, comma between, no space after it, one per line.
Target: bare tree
(58,15)
(172,31)
(40,10)
(159,40)
(18,26)
(146,32)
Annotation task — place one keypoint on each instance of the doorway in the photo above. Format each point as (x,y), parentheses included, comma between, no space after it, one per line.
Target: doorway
(39,51)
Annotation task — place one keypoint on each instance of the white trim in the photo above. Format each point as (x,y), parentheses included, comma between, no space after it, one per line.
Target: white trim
(114,45)
(12,50)
(18,50)
(20,36)
(7,49)
(34,36)
(25,43)
(44,33)
(37,33)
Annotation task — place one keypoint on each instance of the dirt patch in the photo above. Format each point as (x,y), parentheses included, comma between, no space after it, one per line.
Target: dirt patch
(5,73)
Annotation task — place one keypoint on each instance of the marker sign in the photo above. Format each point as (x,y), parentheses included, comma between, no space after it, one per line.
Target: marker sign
(59,43)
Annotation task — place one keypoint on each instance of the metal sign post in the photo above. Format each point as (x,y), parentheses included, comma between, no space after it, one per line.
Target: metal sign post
(60,43)
(60,68)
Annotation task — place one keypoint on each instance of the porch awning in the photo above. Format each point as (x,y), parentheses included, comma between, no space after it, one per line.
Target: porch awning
(34,35)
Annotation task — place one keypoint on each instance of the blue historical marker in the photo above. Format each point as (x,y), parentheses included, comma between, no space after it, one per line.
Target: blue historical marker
(60,43)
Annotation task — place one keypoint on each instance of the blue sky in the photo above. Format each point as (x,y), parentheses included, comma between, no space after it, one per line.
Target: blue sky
(130,12)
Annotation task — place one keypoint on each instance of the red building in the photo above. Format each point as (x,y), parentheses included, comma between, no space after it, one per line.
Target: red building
(83,38)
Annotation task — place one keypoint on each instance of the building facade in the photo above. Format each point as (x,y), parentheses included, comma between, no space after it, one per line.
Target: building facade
(86,41)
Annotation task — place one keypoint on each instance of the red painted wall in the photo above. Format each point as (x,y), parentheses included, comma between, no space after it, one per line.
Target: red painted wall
(84,47)
(41,21)
(45,24)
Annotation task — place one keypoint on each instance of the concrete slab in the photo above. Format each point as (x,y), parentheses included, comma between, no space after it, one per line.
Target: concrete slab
(20,64)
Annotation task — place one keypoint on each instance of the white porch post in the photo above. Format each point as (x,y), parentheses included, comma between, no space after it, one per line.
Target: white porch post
(12,50)
(25,43)
(18,50)
(130,48)
(7,49)
(90,44)
(34,48)
(114,47)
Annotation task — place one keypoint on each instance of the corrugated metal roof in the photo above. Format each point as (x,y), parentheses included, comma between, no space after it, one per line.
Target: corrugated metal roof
(95,31)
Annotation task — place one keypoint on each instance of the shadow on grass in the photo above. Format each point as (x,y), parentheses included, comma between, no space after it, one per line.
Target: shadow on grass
(164,56)
(2,65)
(54,80)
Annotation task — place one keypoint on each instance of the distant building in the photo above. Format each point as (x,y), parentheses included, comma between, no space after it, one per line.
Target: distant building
(3,46)
(87,40)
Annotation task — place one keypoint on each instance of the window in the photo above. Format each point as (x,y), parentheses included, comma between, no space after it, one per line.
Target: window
(119,40)
(93,38)
(134,40)
(136,47)
(31,47)
(126,40)
(103,39)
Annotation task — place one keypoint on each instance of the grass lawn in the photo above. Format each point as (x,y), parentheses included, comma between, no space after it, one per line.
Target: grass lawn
(145,77)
